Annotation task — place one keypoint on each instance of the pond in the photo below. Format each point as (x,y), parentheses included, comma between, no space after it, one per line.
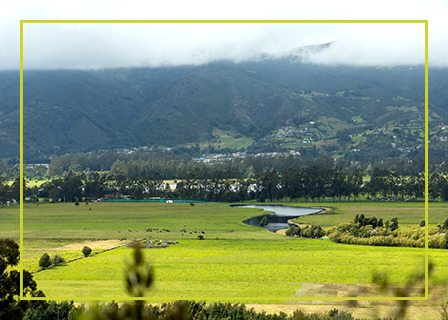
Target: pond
(279,217)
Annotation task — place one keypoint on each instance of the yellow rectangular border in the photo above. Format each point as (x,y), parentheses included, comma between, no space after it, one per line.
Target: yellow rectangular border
(426,297)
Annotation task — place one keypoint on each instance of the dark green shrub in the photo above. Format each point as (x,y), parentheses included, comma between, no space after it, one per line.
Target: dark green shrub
(45,261)
(264,221)
(86,251)
(58,260)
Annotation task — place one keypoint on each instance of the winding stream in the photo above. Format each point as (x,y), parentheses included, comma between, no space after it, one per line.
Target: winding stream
(279,218)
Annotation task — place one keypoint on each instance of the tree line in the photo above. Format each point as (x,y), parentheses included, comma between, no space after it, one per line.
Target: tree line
(371,231)
(302,184)
(172,164)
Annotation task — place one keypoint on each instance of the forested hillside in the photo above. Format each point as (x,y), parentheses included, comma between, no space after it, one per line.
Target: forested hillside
(267,105)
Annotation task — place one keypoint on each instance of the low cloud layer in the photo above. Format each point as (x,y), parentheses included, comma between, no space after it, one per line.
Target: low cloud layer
(79,46)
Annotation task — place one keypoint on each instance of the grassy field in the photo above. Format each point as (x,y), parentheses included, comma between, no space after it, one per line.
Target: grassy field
(225,139)
(115,220)
(234,260)
(238,268)
(408,214)
(50,227)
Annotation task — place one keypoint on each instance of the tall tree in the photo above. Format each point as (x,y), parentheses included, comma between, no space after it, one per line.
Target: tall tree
(11,308)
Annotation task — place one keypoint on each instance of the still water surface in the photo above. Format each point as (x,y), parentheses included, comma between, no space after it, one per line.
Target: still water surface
(279,217)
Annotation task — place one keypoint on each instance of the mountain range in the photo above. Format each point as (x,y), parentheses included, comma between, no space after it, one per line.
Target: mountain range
(256,101)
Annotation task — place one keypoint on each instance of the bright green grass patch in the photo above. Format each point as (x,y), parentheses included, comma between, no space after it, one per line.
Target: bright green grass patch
(238,268)
(10,222)
(36,183)
(245,261)
(226,139)
(307,96)
(31,183)
(336,124)
(358,119)
(48,227)
(408,214)
(231,139)
(35,248)
(115,220)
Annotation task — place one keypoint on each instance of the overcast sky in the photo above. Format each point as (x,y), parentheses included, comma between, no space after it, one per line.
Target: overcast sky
(50,46)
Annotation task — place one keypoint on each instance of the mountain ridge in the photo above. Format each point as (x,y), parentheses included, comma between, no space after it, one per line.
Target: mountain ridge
(88,110)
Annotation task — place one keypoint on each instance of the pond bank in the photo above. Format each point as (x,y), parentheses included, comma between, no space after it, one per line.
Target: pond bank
(279,216)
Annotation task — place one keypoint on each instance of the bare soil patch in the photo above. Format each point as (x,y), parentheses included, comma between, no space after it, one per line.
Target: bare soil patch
(99,244)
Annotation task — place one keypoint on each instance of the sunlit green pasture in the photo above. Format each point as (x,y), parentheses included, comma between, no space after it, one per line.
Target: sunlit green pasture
(130,220)
(234,260)
(225,139)
(238,268)
(408,213)
(30,183)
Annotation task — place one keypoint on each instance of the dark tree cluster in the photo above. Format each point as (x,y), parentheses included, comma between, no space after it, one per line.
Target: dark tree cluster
(46,262)
(9,193)
(175,164)
(11,308)
(313,232)
(321,182)
(363,221)
(304,184)
(369,231)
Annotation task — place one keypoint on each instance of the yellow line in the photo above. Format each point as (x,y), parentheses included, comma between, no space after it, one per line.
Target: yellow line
(22,22)
(21,160)
(222,298)
(224,21)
